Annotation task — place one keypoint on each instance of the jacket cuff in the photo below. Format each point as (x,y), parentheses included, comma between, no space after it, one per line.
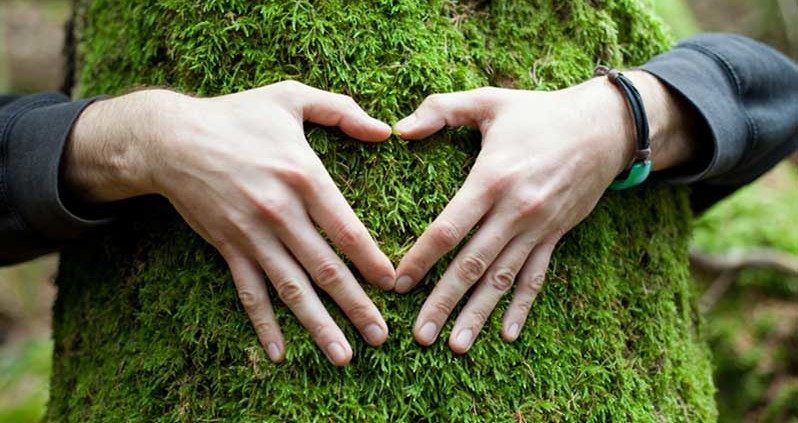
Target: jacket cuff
(36,135)
(701,77)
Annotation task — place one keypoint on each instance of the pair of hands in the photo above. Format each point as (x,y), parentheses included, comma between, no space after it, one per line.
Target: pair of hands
(239,170)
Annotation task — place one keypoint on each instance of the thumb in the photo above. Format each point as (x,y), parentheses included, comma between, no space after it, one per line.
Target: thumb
(464,108)
(329,109)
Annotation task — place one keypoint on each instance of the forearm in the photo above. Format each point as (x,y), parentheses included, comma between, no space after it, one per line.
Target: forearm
(115,145)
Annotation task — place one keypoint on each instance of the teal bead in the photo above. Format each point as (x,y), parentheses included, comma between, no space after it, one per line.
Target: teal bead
(637,175)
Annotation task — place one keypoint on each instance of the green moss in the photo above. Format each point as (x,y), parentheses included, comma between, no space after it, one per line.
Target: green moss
(147,323)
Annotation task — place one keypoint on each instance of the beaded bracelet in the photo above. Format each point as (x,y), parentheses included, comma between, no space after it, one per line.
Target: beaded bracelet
(640,168)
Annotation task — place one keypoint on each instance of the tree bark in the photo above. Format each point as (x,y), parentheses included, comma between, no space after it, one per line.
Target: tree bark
(147,323)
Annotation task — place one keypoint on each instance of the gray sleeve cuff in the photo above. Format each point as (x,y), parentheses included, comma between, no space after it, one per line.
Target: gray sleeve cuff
(747,94)
(700,77)
(37,137)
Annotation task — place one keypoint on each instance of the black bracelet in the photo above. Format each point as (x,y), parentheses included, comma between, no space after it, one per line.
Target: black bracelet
(640,168)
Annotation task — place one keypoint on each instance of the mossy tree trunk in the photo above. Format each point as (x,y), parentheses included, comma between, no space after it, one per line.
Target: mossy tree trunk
(147,323)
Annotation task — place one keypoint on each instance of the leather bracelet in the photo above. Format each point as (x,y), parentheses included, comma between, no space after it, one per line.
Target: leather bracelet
(640,168)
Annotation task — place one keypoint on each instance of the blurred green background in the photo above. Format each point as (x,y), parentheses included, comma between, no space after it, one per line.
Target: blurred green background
(752,313)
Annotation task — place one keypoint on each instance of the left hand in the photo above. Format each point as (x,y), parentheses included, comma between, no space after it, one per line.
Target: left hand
(546,160)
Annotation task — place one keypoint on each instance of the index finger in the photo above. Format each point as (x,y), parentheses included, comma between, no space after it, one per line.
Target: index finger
(328,207)
(464,108)
(331,109)
(444,234)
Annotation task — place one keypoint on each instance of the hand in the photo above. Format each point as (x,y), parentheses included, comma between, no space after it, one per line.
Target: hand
(239,170)
(546,160)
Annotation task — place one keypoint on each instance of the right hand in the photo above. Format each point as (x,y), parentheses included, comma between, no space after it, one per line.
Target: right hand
(239,170)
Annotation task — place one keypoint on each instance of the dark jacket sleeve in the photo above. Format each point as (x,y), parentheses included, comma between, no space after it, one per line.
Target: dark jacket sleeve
(747,94)
(33,218)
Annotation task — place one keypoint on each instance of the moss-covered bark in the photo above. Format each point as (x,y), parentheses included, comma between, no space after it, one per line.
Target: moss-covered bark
(147,323)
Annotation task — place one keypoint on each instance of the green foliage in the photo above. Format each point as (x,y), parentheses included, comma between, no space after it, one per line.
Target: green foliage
(147,323)
(761,214)
(678,17)
(23,381)
(753,331)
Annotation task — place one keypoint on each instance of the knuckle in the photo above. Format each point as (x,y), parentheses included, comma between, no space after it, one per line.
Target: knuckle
(471,268)
(434,102)
(499,181)
(535,283)
(250,299)
(322,332)
(443,308)
(502,279)
(445,235)
(296,177)
(486,94)
(290,85)
(273,209)
(223,245)
(347,101)
(525,305)
(485,90)
(264,328)
(347,236)
(555,236)
(290,291)
(529,205)
(480,316)
(358,312)
(329,275)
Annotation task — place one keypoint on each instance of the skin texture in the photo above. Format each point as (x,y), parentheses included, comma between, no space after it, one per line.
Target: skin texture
(239,170)
(546,160)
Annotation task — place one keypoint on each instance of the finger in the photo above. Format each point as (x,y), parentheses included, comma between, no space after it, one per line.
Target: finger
(528,284)
(295,291)
(328,207)
(490,289)
(331,274)
(464,108)
(443,235)
(254,296)
(330,109)
(465,270)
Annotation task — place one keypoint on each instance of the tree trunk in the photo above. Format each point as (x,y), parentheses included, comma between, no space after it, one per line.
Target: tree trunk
(147,322)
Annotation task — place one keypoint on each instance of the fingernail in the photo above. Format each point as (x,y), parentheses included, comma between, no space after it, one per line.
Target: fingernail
(374,333)
(464,338)
(387,282)
(403,283)
(404,124)
(428,332)
(513,331)
(274,351)
(336,353)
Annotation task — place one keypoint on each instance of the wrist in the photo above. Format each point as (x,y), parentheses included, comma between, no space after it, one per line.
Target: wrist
(610,128)
(670,124)
(114,147)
